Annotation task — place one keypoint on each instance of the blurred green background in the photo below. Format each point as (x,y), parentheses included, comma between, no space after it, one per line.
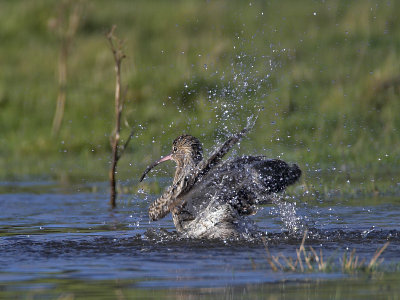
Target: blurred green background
(322,75)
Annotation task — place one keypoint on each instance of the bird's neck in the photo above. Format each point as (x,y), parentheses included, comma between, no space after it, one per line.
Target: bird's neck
(184,167)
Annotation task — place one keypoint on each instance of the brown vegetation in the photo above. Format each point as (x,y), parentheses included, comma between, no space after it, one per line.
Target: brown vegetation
(65,25)
(117,151)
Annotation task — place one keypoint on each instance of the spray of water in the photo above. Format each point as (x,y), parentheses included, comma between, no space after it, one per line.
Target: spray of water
(287,211)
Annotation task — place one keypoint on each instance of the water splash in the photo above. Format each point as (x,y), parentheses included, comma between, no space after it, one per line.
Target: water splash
(287,211)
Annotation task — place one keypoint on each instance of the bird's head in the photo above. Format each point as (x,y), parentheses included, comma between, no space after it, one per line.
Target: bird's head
(187,152)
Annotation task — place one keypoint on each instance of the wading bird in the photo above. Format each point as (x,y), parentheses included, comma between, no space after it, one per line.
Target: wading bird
(210,198)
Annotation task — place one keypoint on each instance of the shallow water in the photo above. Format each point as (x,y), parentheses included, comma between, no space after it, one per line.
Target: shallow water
(58,239)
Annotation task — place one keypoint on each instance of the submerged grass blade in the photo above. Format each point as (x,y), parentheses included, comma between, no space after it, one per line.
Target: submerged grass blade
(269,257)
(378,253)
(310,261)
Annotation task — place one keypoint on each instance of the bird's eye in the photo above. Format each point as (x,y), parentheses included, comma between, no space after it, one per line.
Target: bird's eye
(175,149)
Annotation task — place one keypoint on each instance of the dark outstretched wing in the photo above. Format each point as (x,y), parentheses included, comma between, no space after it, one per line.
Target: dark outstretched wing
(251,180)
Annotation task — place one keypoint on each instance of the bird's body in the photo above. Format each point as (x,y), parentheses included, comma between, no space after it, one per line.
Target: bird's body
(213,199)
(219,204)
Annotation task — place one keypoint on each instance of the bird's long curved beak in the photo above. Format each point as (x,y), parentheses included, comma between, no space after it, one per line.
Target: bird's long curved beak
(165,158)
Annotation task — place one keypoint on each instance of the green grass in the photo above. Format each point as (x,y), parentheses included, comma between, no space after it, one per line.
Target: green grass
(323,76)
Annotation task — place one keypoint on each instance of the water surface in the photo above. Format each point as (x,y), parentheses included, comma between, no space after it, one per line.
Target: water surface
(58,239)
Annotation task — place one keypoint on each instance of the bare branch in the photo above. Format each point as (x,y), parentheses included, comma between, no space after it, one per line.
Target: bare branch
(123,148)
(118,55)
(65,24)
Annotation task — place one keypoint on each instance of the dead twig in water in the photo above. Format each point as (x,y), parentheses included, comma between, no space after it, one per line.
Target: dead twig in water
(117,151)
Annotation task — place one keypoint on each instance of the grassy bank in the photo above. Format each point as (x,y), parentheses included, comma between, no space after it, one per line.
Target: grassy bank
(324,76)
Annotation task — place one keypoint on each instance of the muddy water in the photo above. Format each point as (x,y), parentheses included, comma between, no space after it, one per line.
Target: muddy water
(56,240)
